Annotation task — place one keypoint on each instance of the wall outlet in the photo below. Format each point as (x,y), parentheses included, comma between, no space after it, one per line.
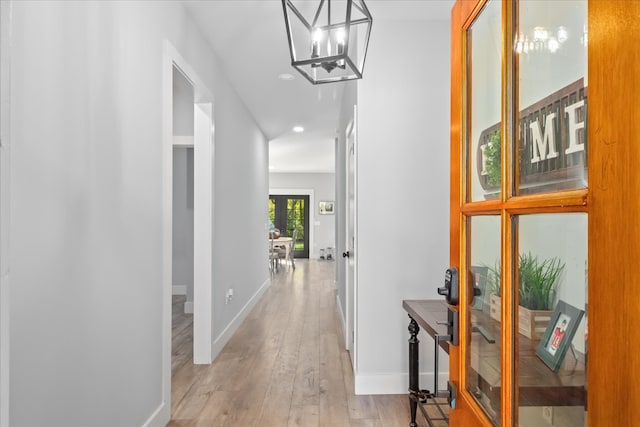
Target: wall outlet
(547,414)
(229,296)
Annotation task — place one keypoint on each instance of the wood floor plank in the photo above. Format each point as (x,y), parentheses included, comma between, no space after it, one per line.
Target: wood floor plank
(333,399)
(277,403)
(286,365)
(393,410)
(360,407)
(305,416)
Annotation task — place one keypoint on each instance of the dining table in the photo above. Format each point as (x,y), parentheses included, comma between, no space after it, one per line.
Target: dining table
(284,242)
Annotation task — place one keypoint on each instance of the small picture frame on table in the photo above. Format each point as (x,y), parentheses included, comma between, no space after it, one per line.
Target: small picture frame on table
(559,334)
(326,208)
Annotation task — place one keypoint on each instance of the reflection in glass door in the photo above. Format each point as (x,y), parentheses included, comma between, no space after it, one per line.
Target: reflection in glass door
(484,354)
(484,96)
(551,285)
(524,213)
(552,323)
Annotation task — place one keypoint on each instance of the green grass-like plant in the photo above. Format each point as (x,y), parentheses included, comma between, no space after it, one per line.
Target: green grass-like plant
(537,280)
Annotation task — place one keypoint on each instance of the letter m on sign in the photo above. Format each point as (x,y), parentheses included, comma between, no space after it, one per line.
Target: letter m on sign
(543,142)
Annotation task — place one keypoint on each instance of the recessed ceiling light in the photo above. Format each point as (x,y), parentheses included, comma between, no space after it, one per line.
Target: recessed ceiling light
(285,76)
(298,129)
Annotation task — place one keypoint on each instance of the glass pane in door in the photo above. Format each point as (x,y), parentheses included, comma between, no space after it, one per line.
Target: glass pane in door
(296,213)
(484,40)
(551,45)
(483,365)
(288,213)
(552,319)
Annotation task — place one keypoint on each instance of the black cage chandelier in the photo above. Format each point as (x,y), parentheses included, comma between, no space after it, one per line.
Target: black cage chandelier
(328,43)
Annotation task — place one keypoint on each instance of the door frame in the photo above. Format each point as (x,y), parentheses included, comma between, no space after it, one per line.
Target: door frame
(203,233)
(203,167)
(5,175)
(302,192)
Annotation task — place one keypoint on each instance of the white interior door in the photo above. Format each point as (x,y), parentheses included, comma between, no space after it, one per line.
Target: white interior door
(5,102)
(351,240)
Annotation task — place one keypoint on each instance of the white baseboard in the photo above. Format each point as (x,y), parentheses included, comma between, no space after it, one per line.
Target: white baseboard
(4,350)
(232,327)
(188,307)
(160,417)
(395,383)
(343,322)
(179,290)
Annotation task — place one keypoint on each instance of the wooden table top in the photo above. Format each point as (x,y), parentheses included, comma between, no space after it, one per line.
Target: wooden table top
(427,313)
(538,385)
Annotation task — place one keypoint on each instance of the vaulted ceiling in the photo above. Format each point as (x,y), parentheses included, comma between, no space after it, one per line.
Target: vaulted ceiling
(249,39)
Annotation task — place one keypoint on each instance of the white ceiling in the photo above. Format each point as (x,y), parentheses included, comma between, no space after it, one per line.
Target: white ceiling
(249,38)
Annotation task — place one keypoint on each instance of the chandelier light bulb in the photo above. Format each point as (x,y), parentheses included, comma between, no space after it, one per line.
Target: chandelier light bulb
(553,45)
(317,35)
(540,34)
(519,44)
(563,34)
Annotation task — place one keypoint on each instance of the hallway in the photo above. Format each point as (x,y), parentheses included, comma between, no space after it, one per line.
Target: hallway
(285,366)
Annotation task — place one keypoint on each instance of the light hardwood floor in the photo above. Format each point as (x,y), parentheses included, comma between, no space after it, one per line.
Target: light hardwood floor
(285,366)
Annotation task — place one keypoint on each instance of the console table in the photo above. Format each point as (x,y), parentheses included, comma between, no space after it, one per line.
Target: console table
(430,315)
(537,385)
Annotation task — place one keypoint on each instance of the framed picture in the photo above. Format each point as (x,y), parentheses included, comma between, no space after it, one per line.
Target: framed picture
(559,334)
(326,208)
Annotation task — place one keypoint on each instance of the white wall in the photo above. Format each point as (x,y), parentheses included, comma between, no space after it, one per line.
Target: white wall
(182,272)
(182,253)
(403,193)
(86,207)
(241,210)
(323,186)
(183,97)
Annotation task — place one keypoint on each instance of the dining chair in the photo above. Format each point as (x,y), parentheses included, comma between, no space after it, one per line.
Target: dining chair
(292,248)
(274,256)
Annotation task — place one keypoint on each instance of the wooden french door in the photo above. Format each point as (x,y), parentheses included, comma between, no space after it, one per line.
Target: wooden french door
(544,212)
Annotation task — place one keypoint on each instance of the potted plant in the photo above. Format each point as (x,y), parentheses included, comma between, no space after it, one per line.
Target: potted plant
(537,285)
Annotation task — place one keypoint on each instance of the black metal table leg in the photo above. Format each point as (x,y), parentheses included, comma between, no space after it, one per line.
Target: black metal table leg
(413,369)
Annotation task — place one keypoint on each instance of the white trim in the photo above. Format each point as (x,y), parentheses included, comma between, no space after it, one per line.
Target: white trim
(170,58)
(355,238)
(397,383)
(4,349)
(312,220)
(156,420)
(188,307)
(203,233)
(183,141)
(179,290)
(351,133)
(224,337)
(164,410)
(5,211)
(343,322)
